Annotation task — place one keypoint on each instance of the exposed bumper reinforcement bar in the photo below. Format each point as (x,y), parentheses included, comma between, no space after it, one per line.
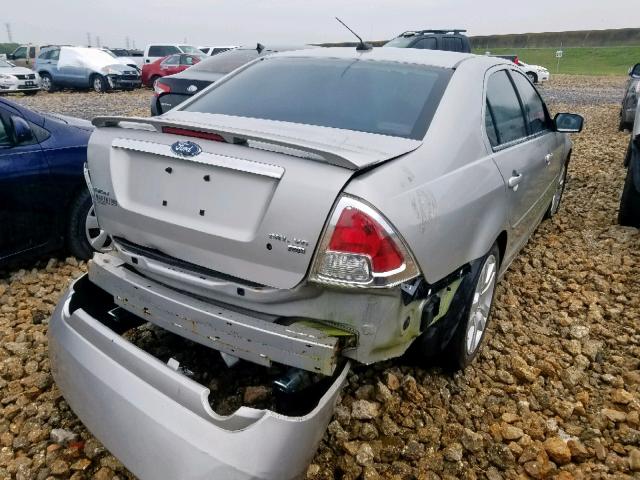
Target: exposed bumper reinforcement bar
(215,326)
(159,422)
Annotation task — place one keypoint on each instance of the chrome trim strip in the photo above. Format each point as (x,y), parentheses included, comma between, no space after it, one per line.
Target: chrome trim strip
(222,161)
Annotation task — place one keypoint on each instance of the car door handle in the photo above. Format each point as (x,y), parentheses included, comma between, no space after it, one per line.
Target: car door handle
(547,158)
(514,181)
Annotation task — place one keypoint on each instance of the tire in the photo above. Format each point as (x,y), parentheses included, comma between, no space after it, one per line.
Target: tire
(99,84)
(84,236)
(30,93)
(554,206)
(476,312)
(533,77)
(443,343)
(46,83)
(152,80)
(629,213)
(627,155)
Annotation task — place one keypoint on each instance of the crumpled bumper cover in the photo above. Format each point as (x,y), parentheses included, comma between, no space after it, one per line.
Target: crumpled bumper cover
(159,422)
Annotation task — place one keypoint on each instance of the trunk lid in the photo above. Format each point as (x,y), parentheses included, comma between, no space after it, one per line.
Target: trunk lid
(252,208)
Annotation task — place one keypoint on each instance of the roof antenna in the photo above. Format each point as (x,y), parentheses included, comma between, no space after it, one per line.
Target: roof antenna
(362,46)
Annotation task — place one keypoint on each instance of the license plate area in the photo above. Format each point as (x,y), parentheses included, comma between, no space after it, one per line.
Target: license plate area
(208,198)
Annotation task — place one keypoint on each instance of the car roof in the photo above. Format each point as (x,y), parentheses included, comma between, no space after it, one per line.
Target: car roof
(434,58)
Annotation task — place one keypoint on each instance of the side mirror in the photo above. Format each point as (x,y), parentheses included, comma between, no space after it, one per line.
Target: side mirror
(568,123)
(11,56)
(21,130)
(635,70)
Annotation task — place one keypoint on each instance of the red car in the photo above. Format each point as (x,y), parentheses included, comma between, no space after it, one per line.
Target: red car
(168,66)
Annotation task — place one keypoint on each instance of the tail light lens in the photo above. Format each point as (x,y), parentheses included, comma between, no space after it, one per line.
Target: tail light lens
(159,88)
(360,248)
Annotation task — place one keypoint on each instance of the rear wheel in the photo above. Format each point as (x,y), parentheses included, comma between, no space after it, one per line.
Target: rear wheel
(629,213)
(153,80)
(84,235)
(99,83)
(533,77)
(47,82)
(466,342)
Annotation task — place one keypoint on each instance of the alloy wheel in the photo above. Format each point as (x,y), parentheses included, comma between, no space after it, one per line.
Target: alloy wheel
(97,238)
(97,84)
(481,304)
(46,83)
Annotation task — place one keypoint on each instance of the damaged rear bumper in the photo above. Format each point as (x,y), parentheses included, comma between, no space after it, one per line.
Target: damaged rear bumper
(159,423)
(214,325)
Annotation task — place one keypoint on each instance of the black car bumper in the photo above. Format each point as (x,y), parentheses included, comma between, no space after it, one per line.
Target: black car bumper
(124,81)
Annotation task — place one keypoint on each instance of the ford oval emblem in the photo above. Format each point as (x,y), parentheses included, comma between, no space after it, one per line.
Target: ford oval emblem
(186,149)
(191,88)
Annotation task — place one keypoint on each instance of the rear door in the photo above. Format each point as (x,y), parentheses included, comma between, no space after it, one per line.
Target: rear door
(541,131)
(25,212)
(518,156)
(170,65)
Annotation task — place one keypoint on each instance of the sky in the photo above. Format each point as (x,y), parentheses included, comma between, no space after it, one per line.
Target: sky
(226,22)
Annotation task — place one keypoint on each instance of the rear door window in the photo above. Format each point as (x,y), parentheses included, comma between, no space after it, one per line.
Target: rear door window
(188,60)
(32,52)
(504,105)
(5,139)
(428,43)
(172,60)
(537,118)
(20,53)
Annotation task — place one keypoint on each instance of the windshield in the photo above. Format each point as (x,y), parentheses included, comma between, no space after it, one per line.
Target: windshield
(368,96)
(226,62)
(190,49)
(401,41)
(5,64)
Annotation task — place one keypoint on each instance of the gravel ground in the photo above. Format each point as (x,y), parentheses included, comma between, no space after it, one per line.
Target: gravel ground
(555,392)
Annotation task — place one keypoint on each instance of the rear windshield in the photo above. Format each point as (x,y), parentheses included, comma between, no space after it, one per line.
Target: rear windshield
(226,62)
(369,96)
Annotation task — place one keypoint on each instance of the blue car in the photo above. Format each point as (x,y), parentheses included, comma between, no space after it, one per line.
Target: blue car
(79,67)
(44,200)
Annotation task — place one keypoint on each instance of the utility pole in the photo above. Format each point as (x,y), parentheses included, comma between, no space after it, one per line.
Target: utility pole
(88,39)
(134,44)
(8,25)
(126,41)
(98,41)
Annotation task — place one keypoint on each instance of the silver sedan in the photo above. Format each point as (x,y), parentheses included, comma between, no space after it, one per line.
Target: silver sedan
(310,207)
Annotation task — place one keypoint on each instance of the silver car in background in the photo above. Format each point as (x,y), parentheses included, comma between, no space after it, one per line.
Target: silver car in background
(310,207)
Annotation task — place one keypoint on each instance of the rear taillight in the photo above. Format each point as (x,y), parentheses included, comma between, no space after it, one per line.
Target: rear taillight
(360,248)
(159,88)
(185,132)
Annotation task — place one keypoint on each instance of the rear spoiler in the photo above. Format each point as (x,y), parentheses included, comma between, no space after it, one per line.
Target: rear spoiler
(343,148)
